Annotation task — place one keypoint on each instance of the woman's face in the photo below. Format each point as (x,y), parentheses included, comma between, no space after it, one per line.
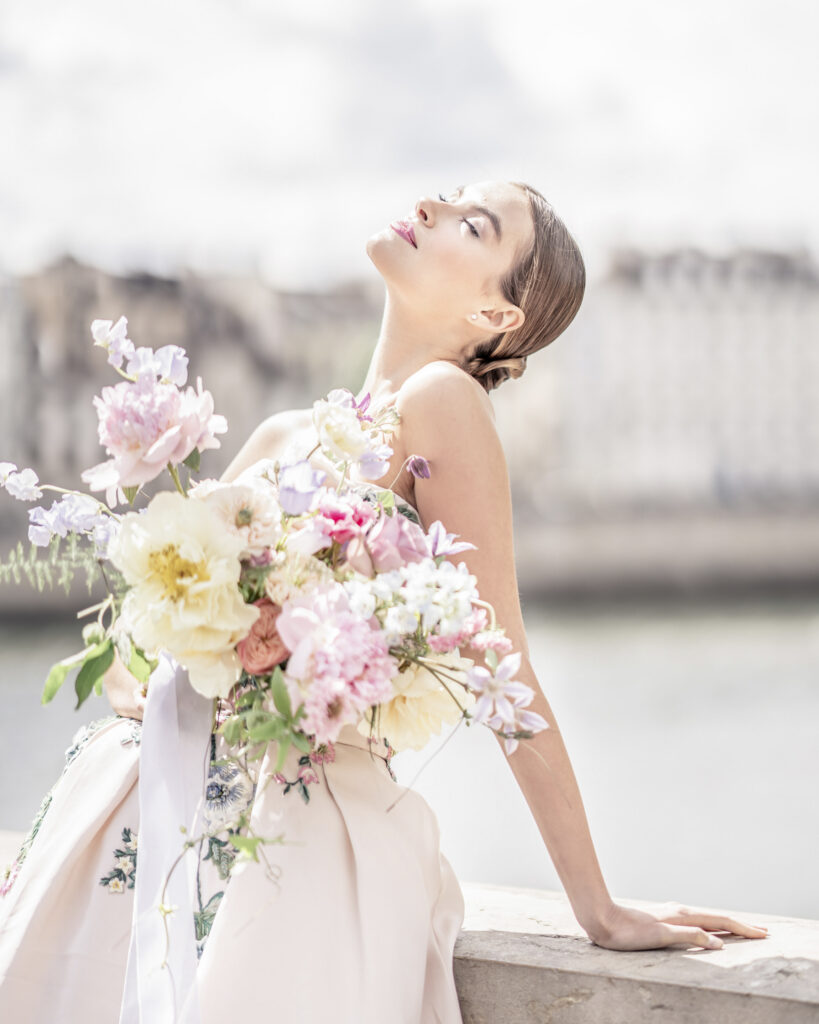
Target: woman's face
(448,255)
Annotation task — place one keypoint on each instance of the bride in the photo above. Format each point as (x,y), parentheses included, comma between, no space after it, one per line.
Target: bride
(363,920)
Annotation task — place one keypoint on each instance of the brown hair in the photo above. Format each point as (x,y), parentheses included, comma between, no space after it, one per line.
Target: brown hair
(547,283)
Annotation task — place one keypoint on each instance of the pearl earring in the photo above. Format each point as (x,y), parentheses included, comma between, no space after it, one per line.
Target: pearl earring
(474,316)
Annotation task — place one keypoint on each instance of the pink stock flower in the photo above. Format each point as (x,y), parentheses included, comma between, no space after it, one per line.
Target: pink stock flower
(262,649)
(492,640)
(473,623)
(146,424)
(392,542)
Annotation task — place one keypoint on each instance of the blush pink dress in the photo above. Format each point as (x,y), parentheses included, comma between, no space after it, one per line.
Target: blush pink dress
(353,919)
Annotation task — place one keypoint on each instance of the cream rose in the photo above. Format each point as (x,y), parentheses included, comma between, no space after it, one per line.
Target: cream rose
(421,706)
(183,569)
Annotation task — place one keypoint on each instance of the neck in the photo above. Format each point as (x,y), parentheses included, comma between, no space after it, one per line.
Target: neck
(406,342)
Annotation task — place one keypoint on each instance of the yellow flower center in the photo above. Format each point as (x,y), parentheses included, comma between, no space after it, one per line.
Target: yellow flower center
(244,516)
(175,572)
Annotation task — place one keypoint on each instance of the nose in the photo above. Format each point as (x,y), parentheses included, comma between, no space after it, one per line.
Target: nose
(425,210)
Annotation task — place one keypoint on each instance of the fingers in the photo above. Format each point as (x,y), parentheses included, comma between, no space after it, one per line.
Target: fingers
(722,923)
(674,934)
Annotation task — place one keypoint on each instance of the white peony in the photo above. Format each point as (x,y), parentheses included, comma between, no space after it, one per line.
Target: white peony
(183,570)
(248,510)
(421,706)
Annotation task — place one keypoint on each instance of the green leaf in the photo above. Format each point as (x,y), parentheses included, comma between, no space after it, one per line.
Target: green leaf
(192,461)
(387,499)
(231,729)
(130,493)
(95,667)
(56,677)
(300,742)
(139,666)
(281,698)
(265,729)
(246,844)
(284,749)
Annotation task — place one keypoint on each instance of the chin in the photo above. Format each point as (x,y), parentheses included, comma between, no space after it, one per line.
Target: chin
(381,253)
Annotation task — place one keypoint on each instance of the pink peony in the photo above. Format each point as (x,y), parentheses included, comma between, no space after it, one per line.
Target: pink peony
(146,424)
(392,542)
(262,649)
(339,664)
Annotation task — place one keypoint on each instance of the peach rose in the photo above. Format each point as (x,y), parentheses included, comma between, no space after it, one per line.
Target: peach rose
(262,649)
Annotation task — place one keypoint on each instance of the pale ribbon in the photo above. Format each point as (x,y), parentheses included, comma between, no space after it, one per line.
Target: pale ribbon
(160,982)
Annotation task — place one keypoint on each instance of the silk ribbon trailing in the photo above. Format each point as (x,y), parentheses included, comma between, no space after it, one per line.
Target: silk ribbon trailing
(160,982)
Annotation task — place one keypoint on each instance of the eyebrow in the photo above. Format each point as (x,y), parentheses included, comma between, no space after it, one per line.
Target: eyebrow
(493,218)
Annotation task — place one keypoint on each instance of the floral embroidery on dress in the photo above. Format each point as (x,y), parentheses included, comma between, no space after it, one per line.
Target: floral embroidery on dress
(306,777)
(228,794)
(123,874)
(80,740)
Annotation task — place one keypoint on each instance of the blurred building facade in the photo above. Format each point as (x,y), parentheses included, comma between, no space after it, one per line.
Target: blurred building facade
(669,437)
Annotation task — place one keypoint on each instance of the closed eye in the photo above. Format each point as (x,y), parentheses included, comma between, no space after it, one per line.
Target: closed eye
(472,227)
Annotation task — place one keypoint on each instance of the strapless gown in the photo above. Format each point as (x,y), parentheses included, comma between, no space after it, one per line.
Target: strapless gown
(356,922)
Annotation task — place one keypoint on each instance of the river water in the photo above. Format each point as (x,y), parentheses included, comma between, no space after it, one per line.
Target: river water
(693,730)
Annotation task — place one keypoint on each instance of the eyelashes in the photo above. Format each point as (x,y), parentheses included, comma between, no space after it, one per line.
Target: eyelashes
(472,227)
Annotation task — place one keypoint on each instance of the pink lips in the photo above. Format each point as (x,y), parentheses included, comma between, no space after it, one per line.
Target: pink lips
(404,229)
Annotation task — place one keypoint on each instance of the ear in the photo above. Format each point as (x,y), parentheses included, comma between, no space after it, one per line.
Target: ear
(497,321)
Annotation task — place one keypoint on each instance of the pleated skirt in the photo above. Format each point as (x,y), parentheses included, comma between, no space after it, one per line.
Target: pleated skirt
(352,918)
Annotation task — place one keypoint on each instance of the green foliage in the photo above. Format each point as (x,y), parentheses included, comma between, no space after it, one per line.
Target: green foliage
(140,666)
(247,845)
(93,663)
(52,566)
(94,668)
(281,698)
(192,461)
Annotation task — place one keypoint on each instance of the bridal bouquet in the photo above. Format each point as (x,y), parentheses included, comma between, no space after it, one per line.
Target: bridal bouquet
(298,602)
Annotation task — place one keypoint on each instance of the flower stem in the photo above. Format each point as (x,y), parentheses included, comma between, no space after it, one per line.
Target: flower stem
(175,477)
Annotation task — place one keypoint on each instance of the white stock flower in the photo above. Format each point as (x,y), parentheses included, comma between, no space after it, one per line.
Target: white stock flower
(421,706)
(183,570)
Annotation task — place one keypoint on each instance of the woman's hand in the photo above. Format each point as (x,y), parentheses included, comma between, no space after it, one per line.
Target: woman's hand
(624,928)
(123,690)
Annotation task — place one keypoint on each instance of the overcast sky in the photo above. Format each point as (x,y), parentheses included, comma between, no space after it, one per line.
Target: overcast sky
(248,135)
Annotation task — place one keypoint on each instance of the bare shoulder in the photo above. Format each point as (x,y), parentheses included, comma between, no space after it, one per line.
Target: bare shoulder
(447,417)
(440,388)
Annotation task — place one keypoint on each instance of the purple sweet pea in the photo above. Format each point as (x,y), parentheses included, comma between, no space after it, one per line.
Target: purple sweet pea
(418,466)
(375,462)
(23,485)
(441,543)
(172,364)
(114,339)
(297,485)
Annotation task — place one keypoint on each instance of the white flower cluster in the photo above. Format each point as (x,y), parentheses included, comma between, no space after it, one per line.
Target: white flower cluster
(436,597)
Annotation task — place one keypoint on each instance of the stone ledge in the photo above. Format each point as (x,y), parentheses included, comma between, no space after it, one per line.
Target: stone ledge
(522,958)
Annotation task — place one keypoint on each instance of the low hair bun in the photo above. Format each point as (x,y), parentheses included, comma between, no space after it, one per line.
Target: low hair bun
(492,372)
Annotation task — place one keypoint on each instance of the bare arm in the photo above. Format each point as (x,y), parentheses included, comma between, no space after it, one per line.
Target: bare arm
(448,422)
